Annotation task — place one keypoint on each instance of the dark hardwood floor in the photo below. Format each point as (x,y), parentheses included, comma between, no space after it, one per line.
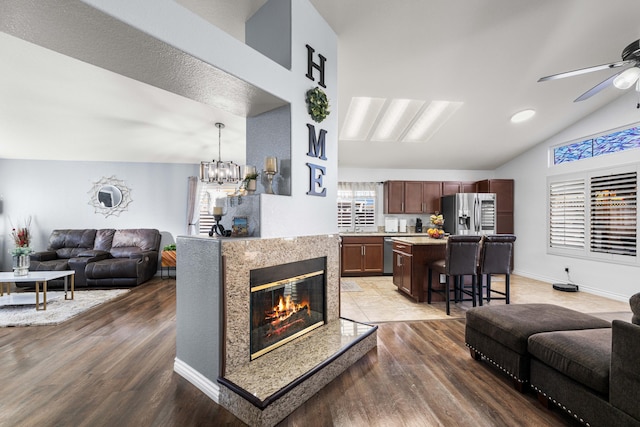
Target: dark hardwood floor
(113,366)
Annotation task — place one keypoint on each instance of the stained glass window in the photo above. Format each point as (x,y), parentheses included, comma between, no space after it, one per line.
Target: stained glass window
(617,141)
(622,140)
(572,152)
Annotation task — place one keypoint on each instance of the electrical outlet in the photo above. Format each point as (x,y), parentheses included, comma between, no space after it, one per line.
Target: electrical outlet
(566,270)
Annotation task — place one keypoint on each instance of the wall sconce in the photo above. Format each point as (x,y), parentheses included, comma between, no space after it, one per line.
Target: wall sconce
(270,169)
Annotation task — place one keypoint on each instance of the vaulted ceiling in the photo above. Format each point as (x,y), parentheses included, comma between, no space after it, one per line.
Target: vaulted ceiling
(486,54)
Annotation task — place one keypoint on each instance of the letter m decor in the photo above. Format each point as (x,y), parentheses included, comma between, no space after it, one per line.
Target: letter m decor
(316,146)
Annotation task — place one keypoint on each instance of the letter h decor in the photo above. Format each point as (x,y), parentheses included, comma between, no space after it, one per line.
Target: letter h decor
(311,65)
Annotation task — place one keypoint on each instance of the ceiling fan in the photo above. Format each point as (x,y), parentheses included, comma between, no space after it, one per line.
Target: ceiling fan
(623,79)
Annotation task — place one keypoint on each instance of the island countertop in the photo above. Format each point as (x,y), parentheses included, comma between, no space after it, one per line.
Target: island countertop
(419,240)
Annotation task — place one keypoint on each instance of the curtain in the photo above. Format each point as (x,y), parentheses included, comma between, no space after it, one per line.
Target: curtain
(193,211)
(355,187)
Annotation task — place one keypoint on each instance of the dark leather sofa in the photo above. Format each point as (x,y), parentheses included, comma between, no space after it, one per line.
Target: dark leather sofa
(102,258)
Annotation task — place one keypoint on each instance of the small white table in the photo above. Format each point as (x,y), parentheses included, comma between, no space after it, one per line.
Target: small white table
(41,277)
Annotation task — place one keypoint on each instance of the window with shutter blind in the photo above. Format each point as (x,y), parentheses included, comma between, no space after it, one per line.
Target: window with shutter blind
(594,215)
(357,206)
(613,214)
(567,214)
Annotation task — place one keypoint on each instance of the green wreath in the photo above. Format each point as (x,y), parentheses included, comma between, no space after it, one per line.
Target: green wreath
(317,104)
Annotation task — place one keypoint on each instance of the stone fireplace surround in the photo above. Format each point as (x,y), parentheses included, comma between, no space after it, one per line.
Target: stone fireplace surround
(264,391)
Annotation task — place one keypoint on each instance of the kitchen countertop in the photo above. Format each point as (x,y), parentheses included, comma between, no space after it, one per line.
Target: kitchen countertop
(381,234)
(419,241)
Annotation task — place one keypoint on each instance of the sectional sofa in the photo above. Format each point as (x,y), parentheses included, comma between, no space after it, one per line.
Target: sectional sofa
(102,258)
(585,365)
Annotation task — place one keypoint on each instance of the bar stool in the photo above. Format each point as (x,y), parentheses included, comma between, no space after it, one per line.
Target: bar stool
(495,258)
(461,259)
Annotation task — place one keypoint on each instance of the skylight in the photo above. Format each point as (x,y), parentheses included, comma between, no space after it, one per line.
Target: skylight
(389,120)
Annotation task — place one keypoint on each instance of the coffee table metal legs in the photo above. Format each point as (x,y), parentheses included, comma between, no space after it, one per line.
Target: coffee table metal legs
(44,295)
(66,281)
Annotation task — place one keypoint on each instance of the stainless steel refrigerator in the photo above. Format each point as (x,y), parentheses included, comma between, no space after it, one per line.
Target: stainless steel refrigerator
(469,213)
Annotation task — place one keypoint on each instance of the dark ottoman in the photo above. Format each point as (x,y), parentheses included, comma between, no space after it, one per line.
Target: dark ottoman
(500,333)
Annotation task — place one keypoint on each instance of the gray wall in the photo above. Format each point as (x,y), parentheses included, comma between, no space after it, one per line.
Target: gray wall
(269,134)
(273,41)
(56,194)
(198,304)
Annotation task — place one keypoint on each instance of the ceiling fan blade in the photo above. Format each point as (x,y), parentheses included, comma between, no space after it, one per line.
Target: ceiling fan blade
(586,70)
(597,88)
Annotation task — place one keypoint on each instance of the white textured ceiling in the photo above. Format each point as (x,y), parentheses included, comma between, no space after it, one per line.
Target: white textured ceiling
(488,54)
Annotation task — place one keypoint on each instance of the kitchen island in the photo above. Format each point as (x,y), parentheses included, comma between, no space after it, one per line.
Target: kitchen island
(411,256)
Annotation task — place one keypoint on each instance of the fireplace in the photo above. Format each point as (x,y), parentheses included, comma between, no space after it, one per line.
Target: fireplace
(287,301)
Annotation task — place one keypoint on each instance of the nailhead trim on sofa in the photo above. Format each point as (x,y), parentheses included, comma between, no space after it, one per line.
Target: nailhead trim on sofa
(497,365)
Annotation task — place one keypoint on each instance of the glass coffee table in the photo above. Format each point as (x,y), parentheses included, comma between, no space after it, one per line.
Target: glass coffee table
(40,277)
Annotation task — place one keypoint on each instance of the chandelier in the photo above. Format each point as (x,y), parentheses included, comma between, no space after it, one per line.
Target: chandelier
(219,171)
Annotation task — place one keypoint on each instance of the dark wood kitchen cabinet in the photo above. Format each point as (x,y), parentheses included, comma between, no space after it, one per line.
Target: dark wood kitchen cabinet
(362,255)
(403,268)
(410,261)
(504,202)
(453,187)
(394,197)
(412,197)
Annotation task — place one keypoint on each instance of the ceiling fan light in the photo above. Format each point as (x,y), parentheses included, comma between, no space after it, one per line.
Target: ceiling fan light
(627,78)
(522,116)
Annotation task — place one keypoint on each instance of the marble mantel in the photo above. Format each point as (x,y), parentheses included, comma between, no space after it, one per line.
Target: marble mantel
(213,344)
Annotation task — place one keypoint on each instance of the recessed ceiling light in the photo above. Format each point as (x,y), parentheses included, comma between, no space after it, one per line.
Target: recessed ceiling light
(522,116)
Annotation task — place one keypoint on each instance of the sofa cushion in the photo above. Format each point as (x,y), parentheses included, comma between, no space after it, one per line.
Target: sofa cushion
(584,355)
(513,324)
(634,302)
(51,265)
(68,243)
(625,369)
(104,239)
(110,268)
(130,242)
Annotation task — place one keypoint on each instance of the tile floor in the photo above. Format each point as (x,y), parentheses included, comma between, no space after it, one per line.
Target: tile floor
(379,301)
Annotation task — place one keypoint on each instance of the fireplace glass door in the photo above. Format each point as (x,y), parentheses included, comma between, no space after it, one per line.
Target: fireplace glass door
(287,301)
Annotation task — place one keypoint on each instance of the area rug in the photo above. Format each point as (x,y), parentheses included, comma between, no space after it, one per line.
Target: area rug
(349,286)
(58,309)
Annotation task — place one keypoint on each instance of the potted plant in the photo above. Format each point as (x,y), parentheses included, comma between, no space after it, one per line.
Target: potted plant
(20,254)
(249,182)
(169,255)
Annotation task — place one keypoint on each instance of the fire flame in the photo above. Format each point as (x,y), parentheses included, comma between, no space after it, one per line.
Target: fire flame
(285,308)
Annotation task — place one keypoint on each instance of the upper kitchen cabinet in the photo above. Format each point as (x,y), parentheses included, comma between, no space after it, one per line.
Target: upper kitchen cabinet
(453,187)
(412,197)
(504,202)
(394,197)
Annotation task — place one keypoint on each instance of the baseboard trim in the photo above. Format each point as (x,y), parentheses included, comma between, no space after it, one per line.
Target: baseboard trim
(205,385)
(583,287)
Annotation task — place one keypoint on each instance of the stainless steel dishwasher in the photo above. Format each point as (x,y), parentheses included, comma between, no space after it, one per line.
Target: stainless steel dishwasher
(388,256)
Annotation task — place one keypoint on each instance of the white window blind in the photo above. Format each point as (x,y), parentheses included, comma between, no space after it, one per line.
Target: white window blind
(357,205)
(613,214)
(567,214)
